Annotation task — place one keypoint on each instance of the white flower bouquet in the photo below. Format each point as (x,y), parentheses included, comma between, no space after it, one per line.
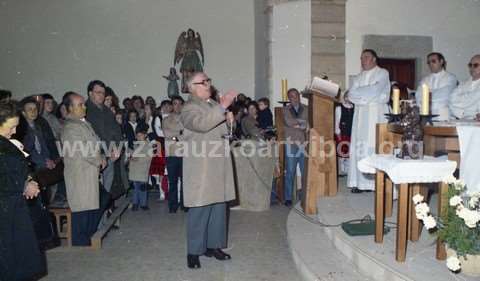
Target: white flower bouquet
(459,228)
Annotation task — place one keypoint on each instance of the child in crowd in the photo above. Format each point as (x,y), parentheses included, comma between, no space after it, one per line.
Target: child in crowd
(157,169)
(265,116)
(139,167)
(130,127)
(119,119)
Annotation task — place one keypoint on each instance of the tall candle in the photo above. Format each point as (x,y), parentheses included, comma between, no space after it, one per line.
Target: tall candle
(396,101)
(284,90)
(425,109)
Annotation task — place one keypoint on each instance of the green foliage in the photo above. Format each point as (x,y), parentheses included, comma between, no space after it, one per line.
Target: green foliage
(453,230)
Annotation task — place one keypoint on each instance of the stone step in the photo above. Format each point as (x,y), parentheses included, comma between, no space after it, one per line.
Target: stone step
(315,256)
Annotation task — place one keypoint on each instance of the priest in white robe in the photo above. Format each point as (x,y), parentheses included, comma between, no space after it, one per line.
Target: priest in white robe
(369,93)
(465,99)
(441,84)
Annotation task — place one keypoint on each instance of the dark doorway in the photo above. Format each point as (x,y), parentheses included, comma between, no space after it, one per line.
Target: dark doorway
(401,70)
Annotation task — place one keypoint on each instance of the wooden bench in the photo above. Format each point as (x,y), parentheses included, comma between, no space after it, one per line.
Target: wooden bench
(114,219)
(63,232)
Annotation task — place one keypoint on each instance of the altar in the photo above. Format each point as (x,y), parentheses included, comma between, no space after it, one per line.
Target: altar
(254,166)
(458,140)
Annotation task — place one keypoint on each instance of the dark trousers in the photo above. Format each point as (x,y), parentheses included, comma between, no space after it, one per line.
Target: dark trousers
(84,225)
(206,228)
(174,169)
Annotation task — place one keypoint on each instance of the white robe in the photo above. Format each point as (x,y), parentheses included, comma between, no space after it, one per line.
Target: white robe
(465,100)
(369,93)
(441,85)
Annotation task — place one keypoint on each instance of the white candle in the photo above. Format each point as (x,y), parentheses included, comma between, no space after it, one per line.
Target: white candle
(425,109)
(396,101)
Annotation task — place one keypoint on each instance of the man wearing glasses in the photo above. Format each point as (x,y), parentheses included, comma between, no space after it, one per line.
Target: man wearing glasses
(207,170)
(465,99)
(441,84)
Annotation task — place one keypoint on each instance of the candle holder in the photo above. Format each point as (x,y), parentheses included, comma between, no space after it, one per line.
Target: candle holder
(284,103)
(393,118)
(427,119)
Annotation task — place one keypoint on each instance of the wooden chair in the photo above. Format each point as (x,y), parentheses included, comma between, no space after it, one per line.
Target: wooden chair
(63,232)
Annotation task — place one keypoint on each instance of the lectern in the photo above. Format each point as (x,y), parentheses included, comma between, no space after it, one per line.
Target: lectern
(321,163)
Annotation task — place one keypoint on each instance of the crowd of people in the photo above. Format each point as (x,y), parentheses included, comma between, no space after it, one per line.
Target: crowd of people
(49,153)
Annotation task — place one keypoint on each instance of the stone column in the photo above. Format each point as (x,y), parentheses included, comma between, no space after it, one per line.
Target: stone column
(327,42)
(328,39)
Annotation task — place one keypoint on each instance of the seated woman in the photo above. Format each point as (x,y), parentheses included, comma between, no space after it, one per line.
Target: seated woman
(37,136)
(39,141)
(20,255)
(249,123)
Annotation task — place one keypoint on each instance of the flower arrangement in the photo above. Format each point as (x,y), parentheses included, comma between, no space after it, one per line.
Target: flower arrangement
(459,228)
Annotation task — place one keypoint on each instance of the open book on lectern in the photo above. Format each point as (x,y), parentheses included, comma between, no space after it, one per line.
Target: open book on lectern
(324,87)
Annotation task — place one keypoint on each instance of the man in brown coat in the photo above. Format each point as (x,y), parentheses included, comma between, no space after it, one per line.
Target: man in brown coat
(295,116)
(207,170)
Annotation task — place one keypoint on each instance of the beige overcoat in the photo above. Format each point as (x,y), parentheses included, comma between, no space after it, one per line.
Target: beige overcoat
(82,159)
(207,164)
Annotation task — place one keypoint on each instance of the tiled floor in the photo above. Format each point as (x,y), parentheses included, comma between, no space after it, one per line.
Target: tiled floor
(151,246)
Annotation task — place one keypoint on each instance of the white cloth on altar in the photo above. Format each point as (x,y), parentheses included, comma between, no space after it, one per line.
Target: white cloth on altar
(426,170)
(464,101)
(369,93)
(441,85)
(469,142)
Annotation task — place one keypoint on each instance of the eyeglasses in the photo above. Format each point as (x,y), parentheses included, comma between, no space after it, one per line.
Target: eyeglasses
(473,65)
(204,82)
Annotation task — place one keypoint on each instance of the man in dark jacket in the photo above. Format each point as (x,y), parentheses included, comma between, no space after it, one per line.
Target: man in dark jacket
(107,129)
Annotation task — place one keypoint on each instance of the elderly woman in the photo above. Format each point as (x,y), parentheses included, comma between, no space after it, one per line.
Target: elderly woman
(37,136)
(20,256)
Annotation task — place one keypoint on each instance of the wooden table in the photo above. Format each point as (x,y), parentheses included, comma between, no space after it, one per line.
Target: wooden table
(436,138)
(408,226)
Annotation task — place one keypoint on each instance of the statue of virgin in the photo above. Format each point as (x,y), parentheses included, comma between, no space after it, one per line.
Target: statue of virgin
(172,78)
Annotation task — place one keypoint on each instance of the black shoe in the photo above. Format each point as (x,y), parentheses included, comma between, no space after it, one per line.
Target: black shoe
(356,190)
(288,203)
(172,211)
(218,254)
(134,207)
(193,261)
(145,208)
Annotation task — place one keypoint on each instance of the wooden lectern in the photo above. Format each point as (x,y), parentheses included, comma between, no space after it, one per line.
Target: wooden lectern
(321,163)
